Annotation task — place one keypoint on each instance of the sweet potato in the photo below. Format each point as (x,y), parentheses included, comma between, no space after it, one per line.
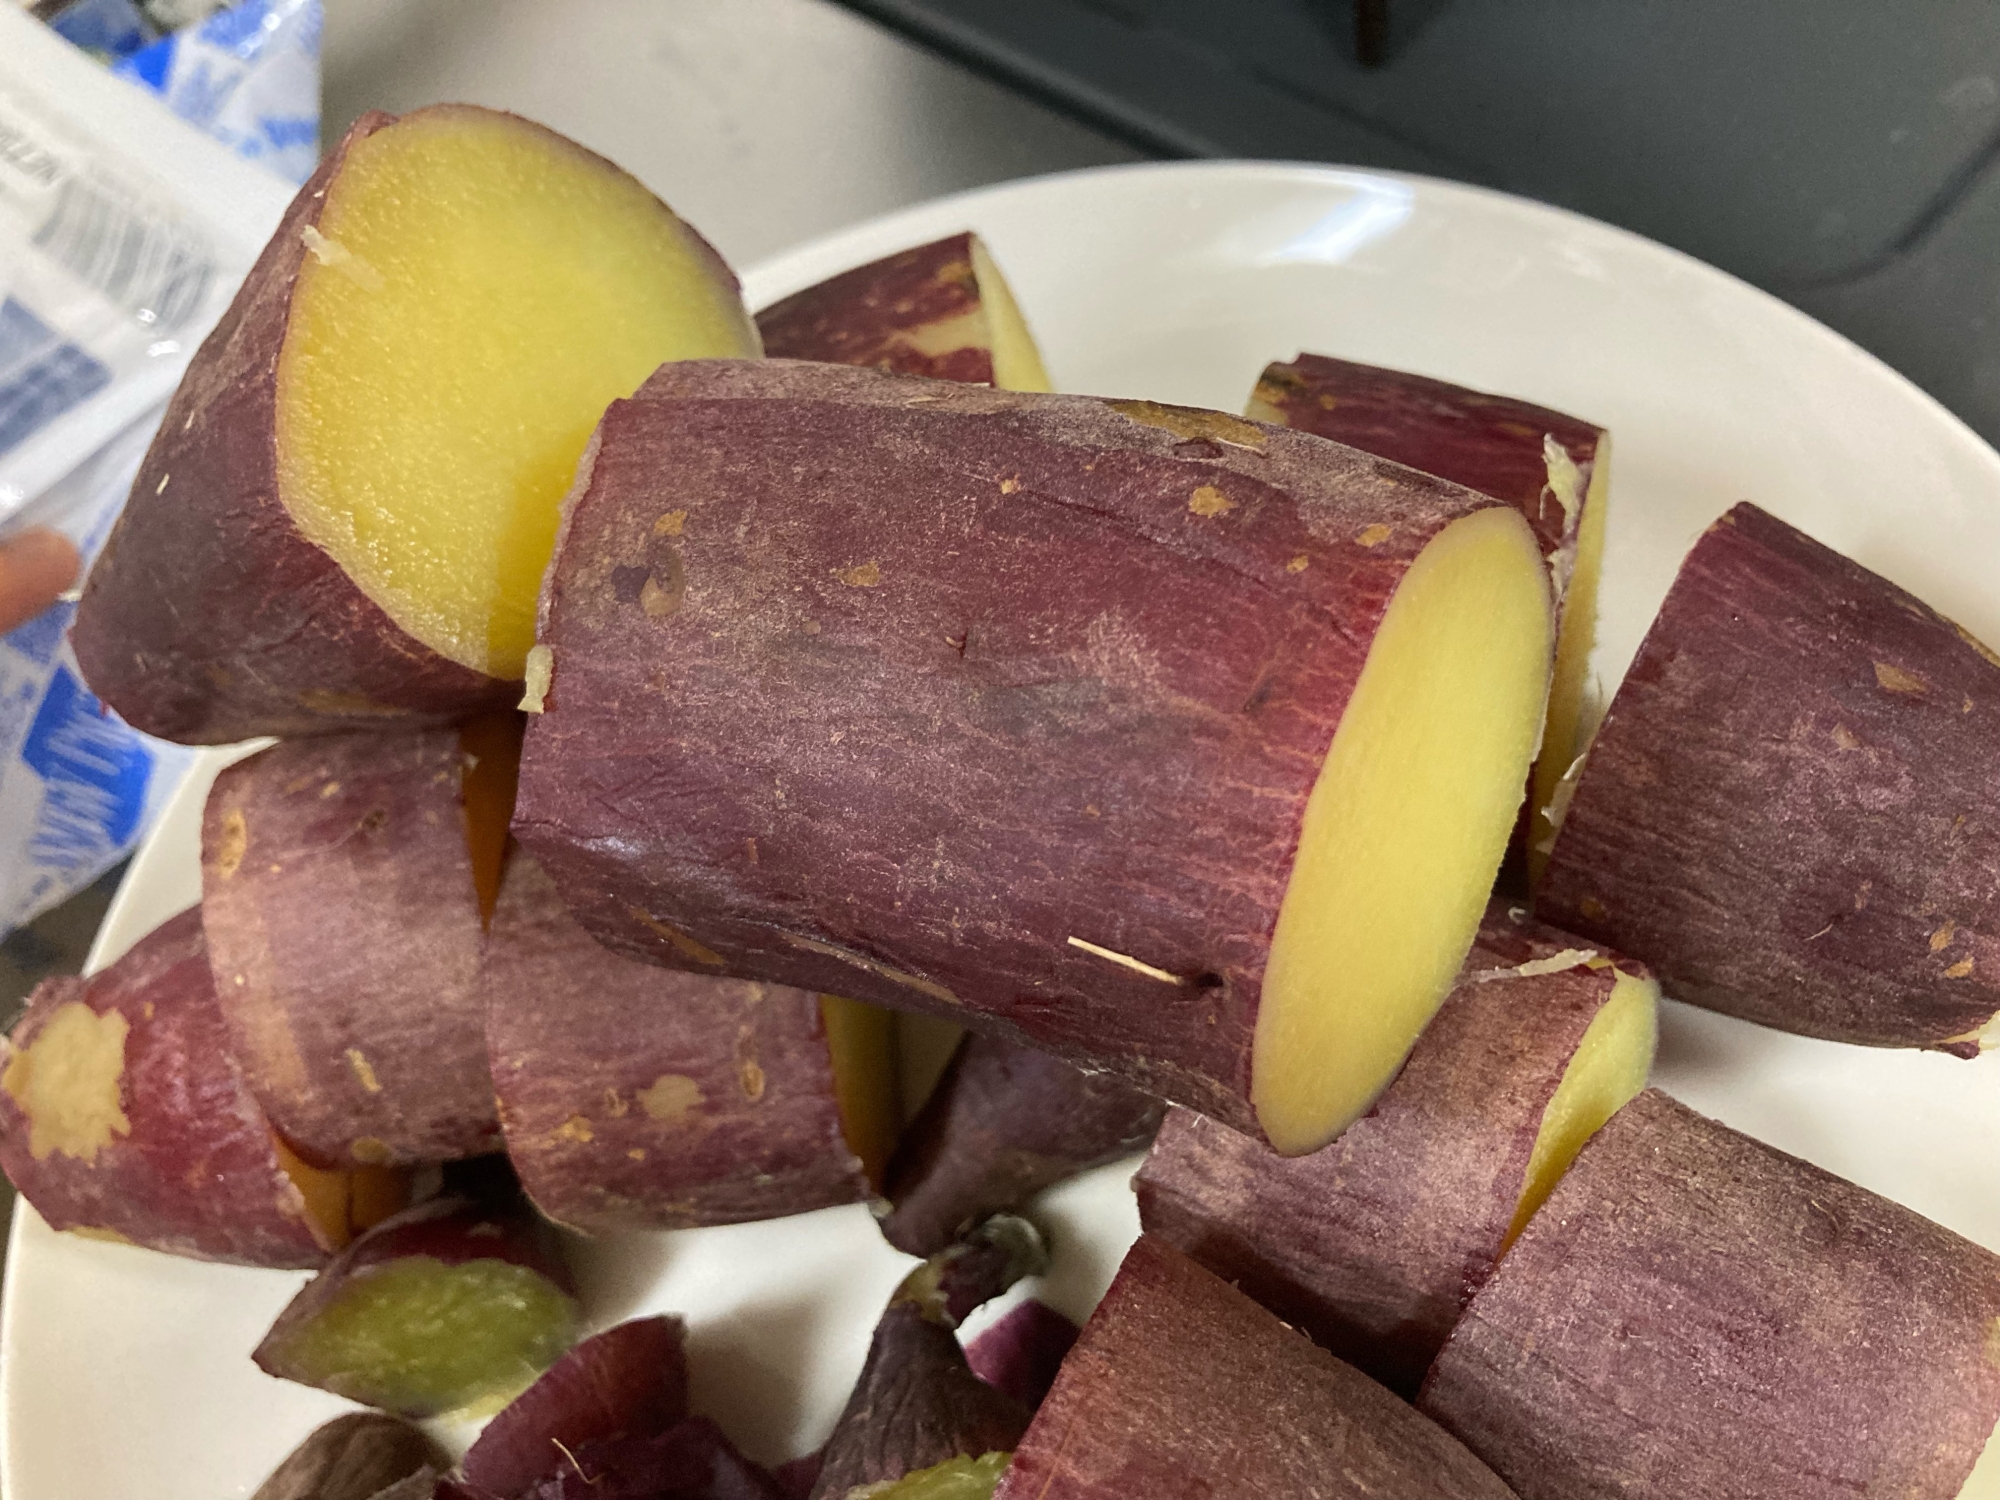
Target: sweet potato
(942,310)
(1024,708)
(1003,1123)
(628,1381)
(123,1116)
(1022,1352)
(637,1097)
(354,1457)
(1695,1313)
(453,1302)
(344,519)
(917,1402)
(344,928)
(1787,809)
(691,1460)
(1181,1385)
(1374,1245)
(1553,468)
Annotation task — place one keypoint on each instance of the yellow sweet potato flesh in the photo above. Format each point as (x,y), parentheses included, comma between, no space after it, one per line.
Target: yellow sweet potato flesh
(1405,827)
(1017,361)
(1563,735)
(477,290)
(862,1042)
(1608,1068)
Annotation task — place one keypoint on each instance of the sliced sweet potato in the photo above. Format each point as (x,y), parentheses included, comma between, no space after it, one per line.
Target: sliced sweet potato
(917,1403)
(354,1457)
(1374,1245)
(1181,1385)
(123,1116)
(342,909)
(1003,1123)
(1022,1352)
(1695,1313)
(1553,468)
(1177,745)
(344,519)
(629,1381)
(1786,812)
(942,310)
(454,1303)
(637,1097)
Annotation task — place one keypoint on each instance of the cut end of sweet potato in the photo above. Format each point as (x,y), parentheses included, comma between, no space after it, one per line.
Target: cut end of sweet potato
(1609,1067)
(340,1203)
(1017,362)
(1405,827)
(1983,1483)
(959,1478)
(1565,732)
(491,745)
(475,292)
(861,1041)
(419,1336)
(68,1083)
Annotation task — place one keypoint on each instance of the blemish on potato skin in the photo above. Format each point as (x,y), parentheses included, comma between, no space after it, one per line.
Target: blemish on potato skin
(1009,485)
(574,1131)
(861,576)
(1941,939)
(1896,680)
(363,1070)
(700,952)
(1298,564)
(751,1077)
(1960,970)
(1844,738)
(368,1151)
(1192,422)
(1210,501)
(67,1082)
(1373,536)
(1592,908)
(637,1153)
(673,523)
(233,843)
(670,1098)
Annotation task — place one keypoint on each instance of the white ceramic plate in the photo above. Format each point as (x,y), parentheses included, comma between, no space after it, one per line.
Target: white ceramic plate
(126,1374)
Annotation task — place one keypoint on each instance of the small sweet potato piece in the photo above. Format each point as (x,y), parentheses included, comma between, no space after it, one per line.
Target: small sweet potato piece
(1696,1313)
(447,1304)
(1181,1385)
(354,1457)
(1003,1123)
(1173,744)
(942,310)
(1786,812)
(344,519)
(124,1116)
(1374,1245)
(1022,1352)
(1553,468)
(628,1381)
(343,925)
(637,1097)
(917,1402)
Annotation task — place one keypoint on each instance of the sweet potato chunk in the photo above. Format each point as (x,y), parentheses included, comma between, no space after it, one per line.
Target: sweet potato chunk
(1181,1385)
(123,1116)
(942,310)
(636,1097)
(354,1457)
(453,1303)
(1003,1123)
(1173,744)
(1553,468)
(343,921)
(1374,1245)
(344,520)
(1695,1313)
(1786,812)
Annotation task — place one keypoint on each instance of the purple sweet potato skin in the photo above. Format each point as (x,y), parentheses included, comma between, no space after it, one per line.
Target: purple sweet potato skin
(209,618)
(916,1404)
(1373,1245)
(1003,1123)
(691,1461)
(1182,1386)
(899,744)
(638,1097)
(1022,1352)
(1695,1313)
(198,1172)
(1488,443)
(1789,809)
(871,315)
(628,1381)
(345,936)
(355,1457)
